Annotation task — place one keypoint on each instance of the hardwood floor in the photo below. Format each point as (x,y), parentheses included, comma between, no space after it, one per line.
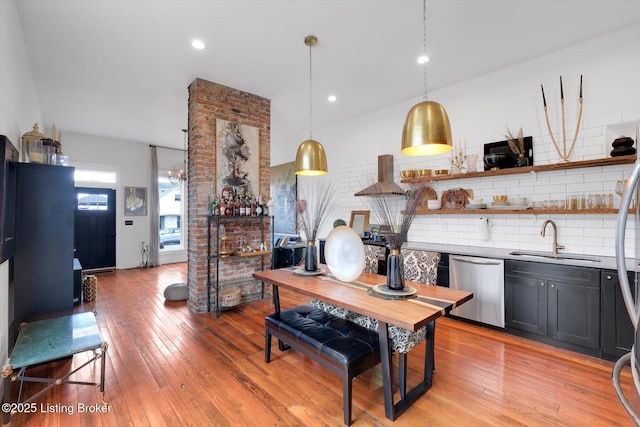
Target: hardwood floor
(169,367)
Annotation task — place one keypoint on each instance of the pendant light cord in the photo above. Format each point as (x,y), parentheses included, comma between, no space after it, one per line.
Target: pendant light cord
(310,93)
(185,151)
(424,46)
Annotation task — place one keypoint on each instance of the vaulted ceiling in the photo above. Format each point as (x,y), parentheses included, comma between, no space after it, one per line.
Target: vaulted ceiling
(121,68)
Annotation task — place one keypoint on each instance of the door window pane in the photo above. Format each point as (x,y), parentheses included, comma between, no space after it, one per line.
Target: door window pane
(93,202)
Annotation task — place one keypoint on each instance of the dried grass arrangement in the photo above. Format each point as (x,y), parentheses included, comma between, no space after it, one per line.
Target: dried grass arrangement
(314,205)
(516,144)
(394,221)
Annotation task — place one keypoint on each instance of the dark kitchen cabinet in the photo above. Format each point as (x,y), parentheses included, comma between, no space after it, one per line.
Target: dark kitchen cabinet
(556,304)
(617,330)
(525,304)
(574,312)
(43,260)
(443,271)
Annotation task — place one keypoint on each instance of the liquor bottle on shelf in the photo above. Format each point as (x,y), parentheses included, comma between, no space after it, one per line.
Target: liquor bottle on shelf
(213,206)
(230,206)
(259,207)
(253,206)
(236,206)
(222,207)
(241,202)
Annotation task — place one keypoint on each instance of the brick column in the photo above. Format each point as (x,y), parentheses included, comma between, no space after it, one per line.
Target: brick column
(208,102)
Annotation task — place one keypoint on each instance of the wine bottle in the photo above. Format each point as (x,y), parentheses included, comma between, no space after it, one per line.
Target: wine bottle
(243,211)
(253,206)
(259,207)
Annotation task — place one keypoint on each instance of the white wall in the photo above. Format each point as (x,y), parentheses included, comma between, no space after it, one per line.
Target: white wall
(479,110)
(131,161)
(19,109)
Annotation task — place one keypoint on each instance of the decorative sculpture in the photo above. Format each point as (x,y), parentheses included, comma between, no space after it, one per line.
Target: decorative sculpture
(564,155)
(344,253)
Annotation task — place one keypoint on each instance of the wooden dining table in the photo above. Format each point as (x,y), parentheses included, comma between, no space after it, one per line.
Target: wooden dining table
(429,303)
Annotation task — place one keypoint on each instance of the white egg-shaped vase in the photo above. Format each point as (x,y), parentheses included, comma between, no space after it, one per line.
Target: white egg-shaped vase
(344,253)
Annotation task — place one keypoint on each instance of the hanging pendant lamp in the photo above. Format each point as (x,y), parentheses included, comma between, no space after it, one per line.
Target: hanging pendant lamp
(427,129)
(179,173)
(311,159)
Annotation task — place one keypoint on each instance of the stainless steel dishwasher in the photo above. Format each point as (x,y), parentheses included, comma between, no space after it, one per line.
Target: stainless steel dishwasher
(485,278)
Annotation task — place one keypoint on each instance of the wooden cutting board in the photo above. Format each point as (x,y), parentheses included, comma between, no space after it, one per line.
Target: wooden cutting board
(423,194)
(455,199)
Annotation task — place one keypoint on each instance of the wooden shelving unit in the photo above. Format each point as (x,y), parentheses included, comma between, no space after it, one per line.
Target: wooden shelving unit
(610,161)
(254,253)
(214,253)
(517,211)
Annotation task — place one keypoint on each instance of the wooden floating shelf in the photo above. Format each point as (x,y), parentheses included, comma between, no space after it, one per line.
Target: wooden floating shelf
(609,161)
(254,253)
(518,211)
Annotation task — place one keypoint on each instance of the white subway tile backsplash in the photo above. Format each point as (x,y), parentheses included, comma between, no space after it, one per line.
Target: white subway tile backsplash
(554,188)
(573,232)
(579,233)
(600,176)
(589,133)
(568,179)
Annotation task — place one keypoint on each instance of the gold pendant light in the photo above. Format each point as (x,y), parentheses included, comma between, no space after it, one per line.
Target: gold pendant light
(311,159)
(427,129)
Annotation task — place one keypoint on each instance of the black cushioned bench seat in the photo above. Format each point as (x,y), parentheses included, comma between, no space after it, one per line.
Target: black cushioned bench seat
(337,344)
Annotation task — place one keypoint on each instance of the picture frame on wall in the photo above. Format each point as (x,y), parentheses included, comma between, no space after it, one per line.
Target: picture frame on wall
(135,201)
(359,221)
(284,191)
(237,158)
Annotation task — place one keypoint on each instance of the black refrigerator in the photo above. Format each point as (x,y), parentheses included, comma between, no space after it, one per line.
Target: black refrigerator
(43,260)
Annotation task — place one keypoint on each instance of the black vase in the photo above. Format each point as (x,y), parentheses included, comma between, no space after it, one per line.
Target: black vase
(395,270)
(310,257)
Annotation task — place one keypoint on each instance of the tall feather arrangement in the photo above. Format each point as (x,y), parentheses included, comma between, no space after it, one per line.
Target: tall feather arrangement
(395,215)
(314,205)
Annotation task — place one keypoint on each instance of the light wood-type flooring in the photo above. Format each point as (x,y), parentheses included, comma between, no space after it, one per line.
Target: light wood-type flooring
(169,367)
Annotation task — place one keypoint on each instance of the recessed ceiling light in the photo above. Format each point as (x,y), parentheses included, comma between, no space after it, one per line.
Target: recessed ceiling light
(198,44)
(332,98)
(423,59)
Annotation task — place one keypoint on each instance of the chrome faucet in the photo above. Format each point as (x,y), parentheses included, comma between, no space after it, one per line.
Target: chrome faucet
(556,246)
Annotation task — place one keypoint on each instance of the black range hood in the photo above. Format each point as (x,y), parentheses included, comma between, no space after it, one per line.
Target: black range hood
(385,184)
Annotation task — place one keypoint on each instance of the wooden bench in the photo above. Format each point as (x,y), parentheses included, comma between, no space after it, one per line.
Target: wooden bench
(339,345)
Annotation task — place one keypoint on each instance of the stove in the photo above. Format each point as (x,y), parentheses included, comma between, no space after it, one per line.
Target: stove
(382,242)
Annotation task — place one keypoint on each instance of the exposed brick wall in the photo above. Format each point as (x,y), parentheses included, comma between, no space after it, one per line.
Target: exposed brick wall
(207,102)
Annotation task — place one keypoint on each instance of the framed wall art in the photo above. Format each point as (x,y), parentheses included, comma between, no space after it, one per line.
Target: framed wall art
(237,158)
(284,194)
(135,201)
(359,221)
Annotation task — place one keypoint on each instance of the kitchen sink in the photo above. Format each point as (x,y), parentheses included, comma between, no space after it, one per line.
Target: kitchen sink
(535,254)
